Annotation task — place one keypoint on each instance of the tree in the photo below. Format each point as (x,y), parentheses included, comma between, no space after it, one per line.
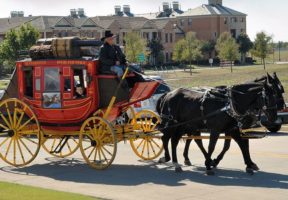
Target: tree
(188,49)
(262,46)
(227,48)
(245,44)
(10,47)
(156,49)
(27,35)
(208,47)
(15,41)
(134,46)
(178,50)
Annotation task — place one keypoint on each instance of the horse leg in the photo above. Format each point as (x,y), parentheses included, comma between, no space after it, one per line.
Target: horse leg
(253,165)
(244,147)
(226,147)
(165,140)
(186,150)
(174,143)
(212,143)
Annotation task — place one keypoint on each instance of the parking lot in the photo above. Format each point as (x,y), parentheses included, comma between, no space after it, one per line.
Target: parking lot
(130,178)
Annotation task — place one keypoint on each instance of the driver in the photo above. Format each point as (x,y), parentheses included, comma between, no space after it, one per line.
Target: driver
(111,57)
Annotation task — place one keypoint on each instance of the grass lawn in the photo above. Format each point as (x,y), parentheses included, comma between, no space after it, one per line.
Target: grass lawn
(3,84)
(222,76)
(10,191)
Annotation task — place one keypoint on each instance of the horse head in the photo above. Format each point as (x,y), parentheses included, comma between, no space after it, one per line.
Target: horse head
(269,105)
(279,89)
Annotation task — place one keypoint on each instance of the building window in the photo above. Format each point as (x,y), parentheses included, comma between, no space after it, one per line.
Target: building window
(182,22)
(215,34)
(225,20)
(154,35)
(166,37)
(190,21)
(242,19)
(233,19)
(167,57)
(171,38)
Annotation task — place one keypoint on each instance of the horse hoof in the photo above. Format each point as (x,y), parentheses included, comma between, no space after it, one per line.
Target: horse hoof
(162,160)
(255,167)
(214,163)
(178,170)
(249,171)
(210,172)
(187,163)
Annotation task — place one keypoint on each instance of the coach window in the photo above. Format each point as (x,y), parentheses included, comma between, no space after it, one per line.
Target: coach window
(80,76)
(51,94)
(28,82)
(52,80)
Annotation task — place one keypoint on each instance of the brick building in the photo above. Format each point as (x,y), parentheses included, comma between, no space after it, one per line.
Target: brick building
(208,21)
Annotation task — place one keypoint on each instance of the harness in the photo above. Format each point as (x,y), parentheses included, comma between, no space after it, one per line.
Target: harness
(229,108)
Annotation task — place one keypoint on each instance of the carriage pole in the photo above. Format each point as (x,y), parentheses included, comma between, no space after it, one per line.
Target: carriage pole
(113,99)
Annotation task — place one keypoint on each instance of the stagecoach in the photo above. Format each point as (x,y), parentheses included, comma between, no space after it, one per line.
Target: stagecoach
(39,108)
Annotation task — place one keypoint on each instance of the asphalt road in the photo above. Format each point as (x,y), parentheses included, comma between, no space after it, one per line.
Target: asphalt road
(130,178)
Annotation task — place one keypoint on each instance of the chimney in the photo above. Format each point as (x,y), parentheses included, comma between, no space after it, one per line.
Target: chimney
(73,13)
(81,12)
(126,9)
(175,5)
(215,2)
(16,14)
(117,10)
(166,6)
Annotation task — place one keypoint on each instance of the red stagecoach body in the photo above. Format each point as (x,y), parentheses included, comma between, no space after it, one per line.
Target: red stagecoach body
(41,82)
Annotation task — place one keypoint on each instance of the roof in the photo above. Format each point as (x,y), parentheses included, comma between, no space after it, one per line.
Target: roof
(211,10)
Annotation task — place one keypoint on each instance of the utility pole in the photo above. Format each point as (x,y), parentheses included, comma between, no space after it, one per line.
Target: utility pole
(279,47)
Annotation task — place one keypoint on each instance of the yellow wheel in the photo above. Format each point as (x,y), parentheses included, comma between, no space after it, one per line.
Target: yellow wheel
(98,142)
(19,133)
(60,146)
(99,113)
(147,146)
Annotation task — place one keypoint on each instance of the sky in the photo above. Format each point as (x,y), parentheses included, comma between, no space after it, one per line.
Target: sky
(263,15)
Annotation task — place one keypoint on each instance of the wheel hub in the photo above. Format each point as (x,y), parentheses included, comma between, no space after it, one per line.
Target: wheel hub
(93,143)
(11,133)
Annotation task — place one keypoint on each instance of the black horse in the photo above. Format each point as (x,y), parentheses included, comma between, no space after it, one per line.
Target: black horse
(185,111)
(279,90)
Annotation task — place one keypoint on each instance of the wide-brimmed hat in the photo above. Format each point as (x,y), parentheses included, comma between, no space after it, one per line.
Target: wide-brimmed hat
(107,35)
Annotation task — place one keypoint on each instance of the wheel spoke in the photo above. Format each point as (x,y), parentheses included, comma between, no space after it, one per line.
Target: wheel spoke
(26,146)
(28,139)
(8,148)
(15,114)
(4,127)
(107,151)
(140,144)
(148,150)
(143,148)
(91,152)
(53,144)
(95,155)
(104,155)
(155,143)
(5,120)
(87,148)
(14,151)
(4,141)
(27,132)
(18,144)
(153,150)
(23,125)
(68,145)
(21,117)
(9,115)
